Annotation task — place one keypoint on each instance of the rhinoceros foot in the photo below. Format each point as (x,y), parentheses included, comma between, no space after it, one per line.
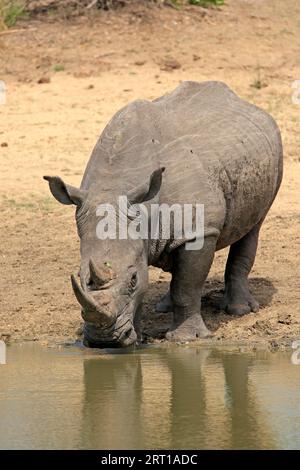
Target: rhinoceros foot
(191,329)
(239,301)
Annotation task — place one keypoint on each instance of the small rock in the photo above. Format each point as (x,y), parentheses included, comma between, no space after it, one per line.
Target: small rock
(43,80)
(196,57)
(285,319)
(140,62)
(5,336)
(4,144)
(170,64)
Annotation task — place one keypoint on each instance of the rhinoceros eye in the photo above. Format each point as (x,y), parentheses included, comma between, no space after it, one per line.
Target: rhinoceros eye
(133,281)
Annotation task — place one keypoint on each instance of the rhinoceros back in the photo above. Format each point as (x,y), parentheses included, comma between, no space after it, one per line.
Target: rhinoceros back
(217,149)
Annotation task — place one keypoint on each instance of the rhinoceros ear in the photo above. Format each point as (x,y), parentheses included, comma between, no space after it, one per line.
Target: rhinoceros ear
(65,193)
(148,190)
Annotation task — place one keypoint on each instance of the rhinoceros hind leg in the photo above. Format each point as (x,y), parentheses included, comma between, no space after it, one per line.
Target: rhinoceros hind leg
(237,298)
(165,304)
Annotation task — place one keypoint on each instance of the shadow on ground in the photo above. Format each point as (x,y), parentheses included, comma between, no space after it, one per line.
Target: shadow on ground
(155,325)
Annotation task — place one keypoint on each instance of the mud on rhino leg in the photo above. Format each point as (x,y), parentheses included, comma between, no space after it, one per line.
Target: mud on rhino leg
(190,270)
(237,298)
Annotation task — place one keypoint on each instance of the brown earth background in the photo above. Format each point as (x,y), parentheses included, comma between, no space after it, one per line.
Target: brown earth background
(65,78)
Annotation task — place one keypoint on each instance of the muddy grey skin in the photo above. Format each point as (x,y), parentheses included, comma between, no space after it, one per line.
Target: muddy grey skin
(199,144)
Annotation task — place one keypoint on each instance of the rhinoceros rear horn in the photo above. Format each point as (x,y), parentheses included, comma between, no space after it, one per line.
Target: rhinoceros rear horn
(90,312)
(148,190)
(99,276)
(64,193)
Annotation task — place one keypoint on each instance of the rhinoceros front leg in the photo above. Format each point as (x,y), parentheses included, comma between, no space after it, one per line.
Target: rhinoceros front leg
(189,273)
(237,298)
(165,304)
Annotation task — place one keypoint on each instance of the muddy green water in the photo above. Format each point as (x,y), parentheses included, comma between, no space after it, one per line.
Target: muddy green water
(158,398)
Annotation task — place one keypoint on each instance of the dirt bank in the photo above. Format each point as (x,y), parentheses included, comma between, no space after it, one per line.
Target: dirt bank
(87,70)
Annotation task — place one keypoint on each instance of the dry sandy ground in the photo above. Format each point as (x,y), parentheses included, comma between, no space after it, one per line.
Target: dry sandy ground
(110,59)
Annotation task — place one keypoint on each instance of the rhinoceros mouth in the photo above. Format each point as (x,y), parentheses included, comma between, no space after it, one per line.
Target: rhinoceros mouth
(96,338)
(102,330)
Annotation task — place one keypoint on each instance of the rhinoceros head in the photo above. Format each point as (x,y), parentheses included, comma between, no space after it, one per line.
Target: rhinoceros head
(113,272)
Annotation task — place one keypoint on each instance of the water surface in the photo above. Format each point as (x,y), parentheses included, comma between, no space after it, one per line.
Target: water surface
(153,398)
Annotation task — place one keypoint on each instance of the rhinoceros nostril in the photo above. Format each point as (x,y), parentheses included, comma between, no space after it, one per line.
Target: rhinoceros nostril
(127,333)
(128,338)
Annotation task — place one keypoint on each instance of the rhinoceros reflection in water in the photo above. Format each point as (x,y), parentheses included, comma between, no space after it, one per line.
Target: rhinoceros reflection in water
(157,398)
(177,399)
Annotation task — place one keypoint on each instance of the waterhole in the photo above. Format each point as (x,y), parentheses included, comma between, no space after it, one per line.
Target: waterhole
(153,398)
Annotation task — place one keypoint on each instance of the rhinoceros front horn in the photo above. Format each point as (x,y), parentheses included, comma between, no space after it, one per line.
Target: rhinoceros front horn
(90,312)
